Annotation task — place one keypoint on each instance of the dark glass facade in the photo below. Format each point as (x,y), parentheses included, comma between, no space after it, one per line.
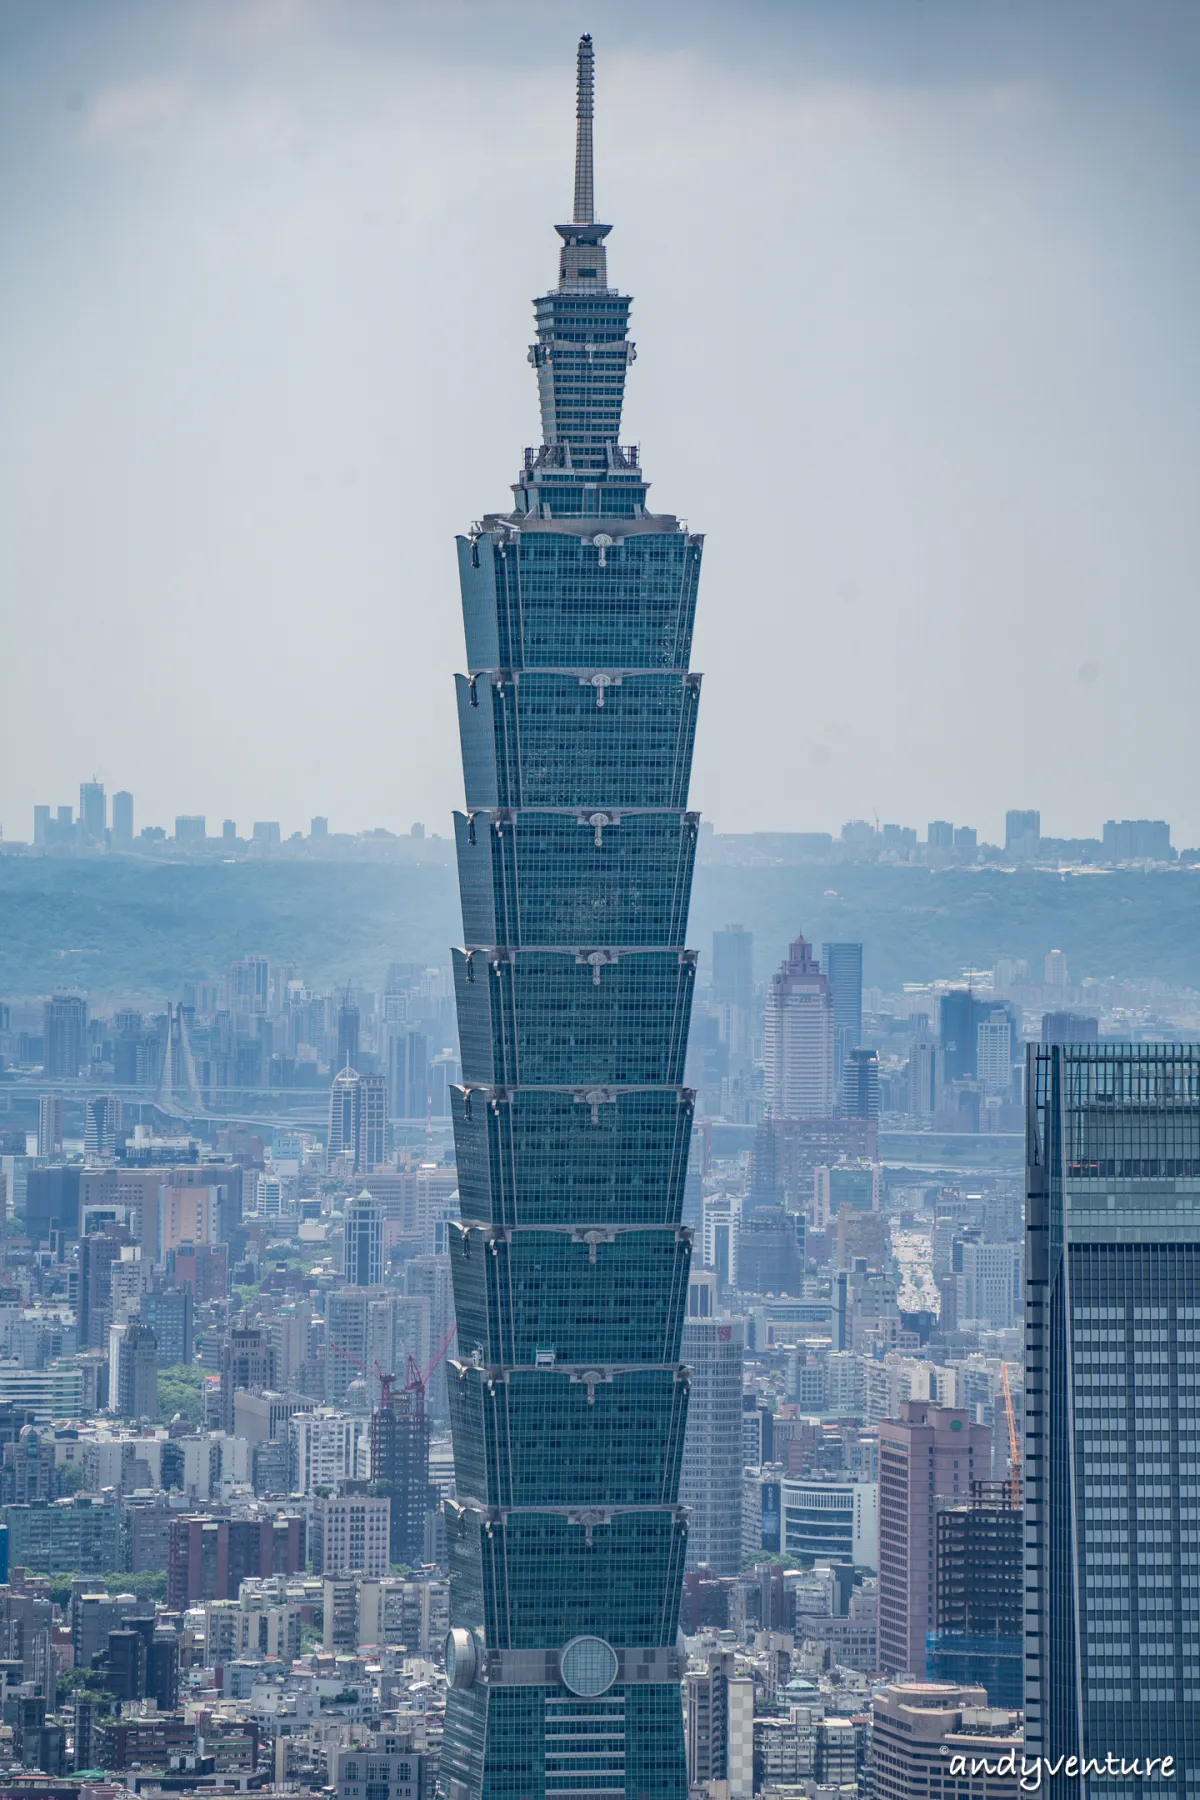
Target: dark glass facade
(1112,1397)
(572,1126)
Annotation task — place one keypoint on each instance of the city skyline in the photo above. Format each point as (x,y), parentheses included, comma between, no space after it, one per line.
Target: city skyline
(938,422)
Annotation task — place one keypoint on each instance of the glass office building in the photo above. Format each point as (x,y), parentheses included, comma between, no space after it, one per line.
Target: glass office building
(1112,1398)
(572,1126)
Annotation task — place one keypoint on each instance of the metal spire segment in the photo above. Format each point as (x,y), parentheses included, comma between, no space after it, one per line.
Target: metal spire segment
(585,204)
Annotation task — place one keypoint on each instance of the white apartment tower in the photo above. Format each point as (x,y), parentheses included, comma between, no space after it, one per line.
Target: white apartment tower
(801,1070)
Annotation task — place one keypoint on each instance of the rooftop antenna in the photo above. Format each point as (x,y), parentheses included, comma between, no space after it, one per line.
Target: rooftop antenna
(585,205)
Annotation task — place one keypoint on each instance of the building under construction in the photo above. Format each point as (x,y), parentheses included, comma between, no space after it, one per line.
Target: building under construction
(977,1635)
(400,1464)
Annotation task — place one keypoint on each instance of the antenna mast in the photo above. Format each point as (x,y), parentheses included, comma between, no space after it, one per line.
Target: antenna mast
(585,204)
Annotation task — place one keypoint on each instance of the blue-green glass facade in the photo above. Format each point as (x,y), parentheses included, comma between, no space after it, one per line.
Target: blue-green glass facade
(1112,1412)
(574,987)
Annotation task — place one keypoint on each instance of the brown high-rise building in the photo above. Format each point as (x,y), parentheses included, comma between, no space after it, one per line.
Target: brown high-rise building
(930,1453)
(208,1558)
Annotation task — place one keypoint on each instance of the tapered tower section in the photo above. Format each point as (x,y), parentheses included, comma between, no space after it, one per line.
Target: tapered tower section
(572,1127)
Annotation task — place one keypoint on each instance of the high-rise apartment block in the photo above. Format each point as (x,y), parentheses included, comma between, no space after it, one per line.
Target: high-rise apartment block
(122,820)
(1112,1402)
(572,1131)
(800,1058)
(719,1708)
(351,1536)
(1137,840)
(64,1028)
(1022,834)
(929,1454)
(93,812)
(50,1125)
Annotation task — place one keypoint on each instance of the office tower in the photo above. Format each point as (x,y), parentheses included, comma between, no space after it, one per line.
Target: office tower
(400,1465)
(347,1030)
(989,1285)
(169,1312)
(41,827)
(860,1085)
(570,1266)
(133,1371)
(358,1120)
(960,1015)
(318,830)
(800,1066)
(978,1577)
(1069,1028)
(929,1453)
(733,967)
(371,1145)
(64,1023)
(408,1074)
(191,828)
(719,1706)
(364,1241)
(966,839)
(93,812)
(345,1102)
(122,819)
(919,1728)
(770,1251)
(50,1125)
(994,1053)
(246,1365)
(1022,834)
(229,836)
(842,964)
(1112,1401)
(711,1480)
(925,1078)
(1137,840)
(248,983)
(940,835)
(265,834)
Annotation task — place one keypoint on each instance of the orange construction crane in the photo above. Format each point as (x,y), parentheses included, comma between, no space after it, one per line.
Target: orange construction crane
(1014,1448)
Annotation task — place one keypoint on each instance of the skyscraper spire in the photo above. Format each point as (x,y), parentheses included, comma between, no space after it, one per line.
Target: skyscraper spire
(585,203)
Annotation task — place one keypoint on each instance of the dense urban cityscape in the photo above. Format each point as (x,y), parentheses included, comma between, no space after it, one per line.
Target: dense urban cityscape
(585,1366)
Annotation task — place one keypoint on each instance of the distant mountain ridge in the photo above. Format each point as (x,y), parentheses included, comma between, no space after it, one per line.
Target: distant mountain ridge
(116,926)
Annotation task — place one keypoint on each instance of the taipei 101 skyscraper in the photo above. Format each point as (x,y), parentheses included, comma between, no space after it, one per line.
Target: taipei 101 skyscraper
(572,1126)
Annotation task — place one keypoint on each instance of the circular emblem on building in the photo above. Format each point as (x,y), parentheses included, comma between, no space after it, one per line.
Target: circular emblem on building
(602,541)
(462,1657)
(588,1666)
(956,1424)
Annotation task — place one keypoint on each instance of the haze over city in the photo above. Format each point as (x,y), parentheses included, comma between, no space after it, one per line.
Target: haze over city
(914,305)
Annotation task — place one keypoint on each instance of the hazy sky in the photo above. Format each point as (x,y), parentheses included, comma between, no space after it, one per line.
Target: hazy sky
(915,303)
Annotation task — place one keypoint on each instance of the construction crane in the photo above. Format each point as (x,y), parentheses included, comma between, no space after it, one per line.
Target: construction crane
(1014,1448)
(413,1378)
